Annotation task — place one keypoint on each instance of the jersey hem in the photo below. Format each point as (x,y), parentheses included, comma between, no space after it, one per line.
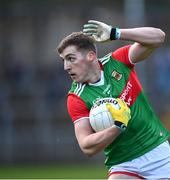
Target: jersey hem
(139,154)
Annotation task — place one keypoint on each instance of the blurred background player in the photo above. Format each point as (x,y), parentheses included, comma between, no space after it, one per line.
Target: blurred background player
(142,150)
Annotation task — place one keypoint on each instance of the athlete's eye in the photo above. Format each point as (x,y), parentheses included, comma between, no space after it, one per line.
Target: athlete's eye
(71,59)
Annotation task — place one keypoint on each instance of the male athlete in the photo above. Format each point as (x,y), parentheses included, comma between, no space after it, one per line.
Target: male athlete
(141,150)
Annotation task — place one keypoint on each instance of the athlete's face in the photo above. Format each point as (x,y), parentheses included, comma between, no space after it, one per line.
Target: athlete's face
(76,63)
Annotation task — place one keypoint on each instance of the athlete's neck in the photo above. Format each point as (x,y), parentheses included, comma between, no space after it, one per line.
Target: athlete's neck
(95,74)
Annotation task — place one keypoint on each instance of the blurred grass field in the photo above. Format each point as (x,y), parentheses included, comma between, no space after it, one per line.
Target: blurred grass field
(78,171)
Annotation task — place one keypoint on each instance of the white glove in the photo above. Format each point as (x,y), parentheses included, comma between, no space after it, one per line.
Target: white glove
(99,31)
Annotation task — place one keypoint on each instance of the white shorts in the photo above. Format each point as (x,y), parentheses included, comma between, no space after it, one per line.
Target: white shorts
(154,164)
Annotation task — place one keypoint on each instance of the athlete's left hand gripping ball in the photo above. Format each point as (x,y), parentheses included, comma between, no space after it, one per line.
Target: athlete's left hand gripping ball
(99,31)
(122,115)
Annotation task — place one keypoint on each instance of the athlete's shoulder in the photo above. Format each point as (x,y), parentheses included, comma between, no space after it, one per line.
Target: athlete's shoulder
(76,107)
(122,55)
(105,58)
(77,88)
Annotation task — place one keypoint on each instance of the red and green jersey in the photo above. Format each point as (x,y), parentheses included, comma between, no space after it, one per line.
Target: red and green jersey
(119,79)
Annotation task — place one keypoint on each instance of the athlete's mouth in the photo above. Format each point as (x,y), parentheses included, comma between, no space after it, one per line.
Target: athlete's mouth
(72,74)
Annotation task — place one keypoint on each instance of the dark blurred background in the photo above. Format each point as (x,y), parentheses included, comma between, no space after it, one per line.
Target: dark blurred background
(34,123)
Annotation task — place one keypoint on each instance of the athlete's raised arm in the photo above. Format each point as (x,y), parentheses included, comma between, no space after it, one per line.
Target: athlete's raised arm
(145,39)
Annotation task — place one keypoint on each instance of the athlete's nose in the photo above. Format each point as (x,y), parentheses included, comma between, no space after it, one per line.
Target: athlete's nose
(67,65)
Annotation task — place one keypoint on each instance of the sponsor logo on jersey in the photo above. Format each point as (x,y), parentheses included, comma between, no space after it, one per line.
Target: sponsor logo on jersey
(126,94)
(131,89)
(117,75)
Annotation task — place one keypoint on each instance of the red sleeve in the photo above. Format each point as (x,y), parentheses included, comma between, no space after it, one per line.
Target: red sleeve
(122,54)
(76,107)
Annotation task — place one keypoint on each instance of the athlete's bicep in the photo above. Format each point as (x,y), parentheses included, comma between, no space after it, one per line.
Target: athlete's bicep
(138,52)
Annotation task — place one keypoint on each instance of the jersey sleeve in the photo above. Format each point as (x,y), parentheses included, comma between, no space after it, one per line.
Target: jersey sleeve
(76,107)
(122,55)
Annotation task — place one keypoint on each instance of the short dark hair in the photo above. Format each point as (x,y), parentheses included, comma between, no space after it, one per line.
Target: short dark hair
(78,39)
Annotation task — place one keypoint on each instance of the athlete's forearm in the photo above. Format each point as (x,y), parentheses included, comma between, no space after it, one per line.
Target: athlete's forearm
(102,32)
(96,142)
(147,36)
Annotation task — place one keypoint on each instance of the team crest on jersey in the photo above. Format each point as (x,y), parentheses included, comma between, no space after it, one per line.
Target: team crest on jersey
(117,75)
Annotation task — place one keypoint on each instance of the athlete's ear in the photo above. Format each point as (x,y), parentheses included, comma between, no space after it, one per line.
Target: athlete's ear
(91,55)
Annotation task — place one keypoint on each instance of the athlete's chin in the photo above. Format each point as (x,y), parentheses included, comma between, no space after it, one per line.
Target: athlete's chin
(78,79)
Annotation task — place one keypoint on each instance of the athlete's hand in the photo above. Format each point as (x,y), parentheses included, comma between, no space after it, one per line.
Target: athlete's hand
(121,116)
(99,31)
